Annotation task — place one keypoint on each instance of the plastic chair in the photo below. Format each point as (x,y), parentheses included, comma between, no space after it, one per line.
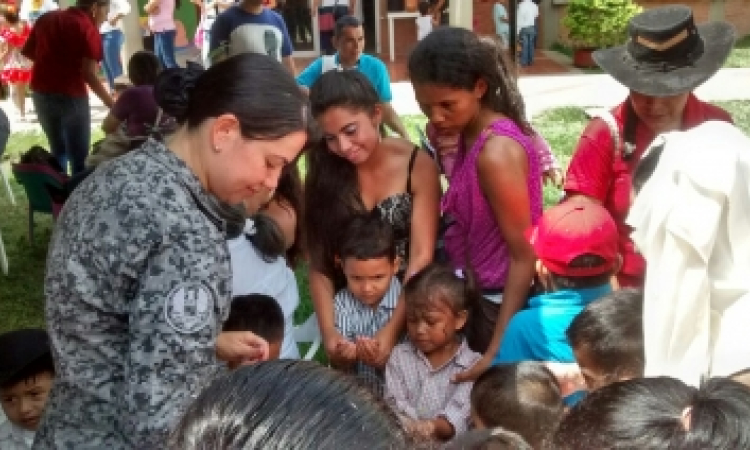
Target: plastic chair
(309,332)
(37,180)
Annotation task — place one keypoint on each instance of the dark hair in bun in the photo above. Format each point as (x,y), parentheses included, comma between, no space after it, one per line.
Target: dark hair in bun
(255,88)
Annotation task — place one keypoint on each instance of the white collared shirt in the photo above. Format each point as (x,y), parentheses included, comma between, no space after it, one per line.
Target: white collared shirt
(116,7)
(528,11)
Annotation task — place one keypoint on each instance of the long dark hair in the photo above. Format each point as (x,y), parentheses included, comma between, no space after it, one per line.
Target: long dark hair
(458,58)
(331,186)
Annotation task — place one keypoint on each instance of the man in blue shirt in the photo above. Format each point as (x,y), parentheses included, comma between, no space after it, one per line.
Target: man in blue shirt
(577,254)
(249,27)
(349,41)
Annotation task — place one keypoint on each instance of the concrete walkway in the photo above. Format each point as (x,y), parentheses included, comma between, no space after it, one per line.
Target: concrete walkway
(540,93)
(587,90)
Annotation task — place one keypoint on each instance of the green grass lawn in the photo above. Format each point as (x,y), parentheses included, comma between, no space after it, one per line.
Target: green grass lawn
(21,292)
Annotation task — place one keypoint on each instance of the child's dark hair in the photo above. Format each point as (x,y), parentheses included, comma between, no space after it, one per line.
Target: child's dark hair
(287,404)
(488,439)
(458,58)
(658,413)
(268,238)
(424,7)
(438,282)
(331,185)
(610,330)
(41,365)
(562,282)
(288,194)
(258,313)
(523,398)
(367,236)
(143,68)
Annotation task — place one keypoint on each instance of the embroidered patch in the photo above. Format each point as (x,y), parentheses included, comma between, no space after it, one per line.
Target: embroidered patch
(189,308)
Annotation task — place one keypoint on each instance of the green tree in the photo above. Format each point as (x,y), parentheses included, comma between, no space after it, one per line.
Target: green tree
(599,23)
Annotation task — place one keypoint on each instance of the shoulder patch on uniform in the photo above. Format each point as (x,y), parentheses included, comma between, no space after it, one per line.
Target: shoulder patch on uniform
(189,308)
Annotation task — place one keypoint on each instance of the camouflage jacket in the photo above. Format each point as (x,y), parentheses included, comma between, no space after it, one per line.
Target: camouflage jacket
(138,283)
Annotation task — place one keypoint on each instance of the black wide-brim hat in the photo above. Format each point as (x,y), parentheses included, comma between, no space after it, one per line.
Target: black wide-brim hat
(19,349)
(667,54)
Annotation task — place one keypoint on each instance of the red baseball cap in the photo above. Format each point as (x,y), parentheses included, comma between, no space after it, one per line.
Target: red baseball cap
(572,229)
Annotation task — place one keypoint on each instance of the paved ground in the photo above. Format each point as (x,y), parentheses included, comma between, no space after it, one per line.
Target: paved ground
(552,91)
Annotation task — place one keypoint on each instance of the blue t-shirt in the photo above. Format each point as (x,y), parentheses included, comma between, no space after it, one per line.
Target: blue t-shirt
(538,332)
(237,31)
(372,67)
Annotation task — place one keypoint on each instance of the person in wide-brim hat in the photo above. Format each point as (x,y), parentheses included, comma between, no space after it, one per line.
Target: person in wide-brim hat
(667,54)
(665,58)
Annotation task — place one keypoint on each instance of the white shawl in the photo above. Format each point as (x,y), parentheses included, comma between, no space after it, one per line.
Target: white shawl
(692,225)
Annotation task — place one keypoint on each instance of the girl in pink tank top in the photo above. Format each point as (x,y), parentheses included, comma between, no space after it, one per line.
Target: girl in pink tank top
(463,85)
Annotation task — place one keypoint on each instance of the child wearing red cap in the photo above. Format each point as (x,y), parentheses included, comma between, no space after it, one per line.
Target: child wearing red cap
(576,248)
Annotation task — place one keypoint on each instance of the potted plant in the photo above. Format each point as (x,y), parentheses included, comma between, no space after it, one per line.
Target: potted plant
(595,24)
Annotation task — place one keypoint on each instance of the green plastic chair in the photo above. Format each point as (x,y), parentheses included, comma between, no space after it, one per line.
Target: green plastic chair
(37,179)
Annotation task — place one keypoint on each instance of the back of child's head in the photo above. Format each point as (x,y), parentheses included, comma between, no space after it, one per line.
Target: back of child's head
(143,68)
(658,413)
(523,398)
(287,404)
(488,439)
(424,7)
(260,314)
(440,283)
(607,338)
(458,58)
(367,236)
(24,354)
(577,243)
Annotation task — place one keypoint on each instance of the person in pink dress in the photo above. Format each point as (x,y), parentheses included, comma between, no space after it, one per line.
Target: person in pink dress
(16,67)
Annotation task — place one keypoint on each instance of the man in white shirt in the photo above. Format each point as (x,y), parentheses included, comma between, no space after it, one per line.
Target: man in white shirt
(528,11)
(112,40)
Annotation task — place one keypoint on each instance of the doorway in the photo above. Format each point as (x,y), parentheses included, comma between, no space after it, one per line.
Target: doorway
(369,23)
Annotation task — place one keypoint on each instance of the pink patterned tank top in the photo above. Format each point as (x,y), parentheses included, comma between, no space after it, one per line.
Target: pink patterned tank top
(474,235)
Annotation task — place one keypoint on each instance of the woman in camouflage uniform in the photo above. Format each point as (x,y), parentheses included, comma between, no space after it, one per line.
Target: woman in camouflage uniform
(138,275)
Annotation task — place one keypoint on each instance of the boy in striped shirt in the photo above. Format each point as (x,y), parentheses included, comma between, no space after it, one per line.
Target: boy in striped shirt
(367,257)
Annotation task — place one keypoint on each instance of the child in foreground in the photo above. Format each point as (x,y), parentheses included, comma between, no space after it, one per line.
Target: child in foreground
(420,372)
(26,376)
(260,314)
(367,256)
(523,398)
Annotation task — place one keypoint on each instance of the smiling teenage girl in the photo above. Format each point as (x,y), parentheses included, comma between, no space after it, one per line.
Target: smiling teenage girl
(353,171)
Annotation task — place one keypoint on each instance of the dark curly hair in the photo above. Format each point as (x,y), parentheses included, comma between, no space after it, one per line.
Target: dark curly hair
(458,58)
